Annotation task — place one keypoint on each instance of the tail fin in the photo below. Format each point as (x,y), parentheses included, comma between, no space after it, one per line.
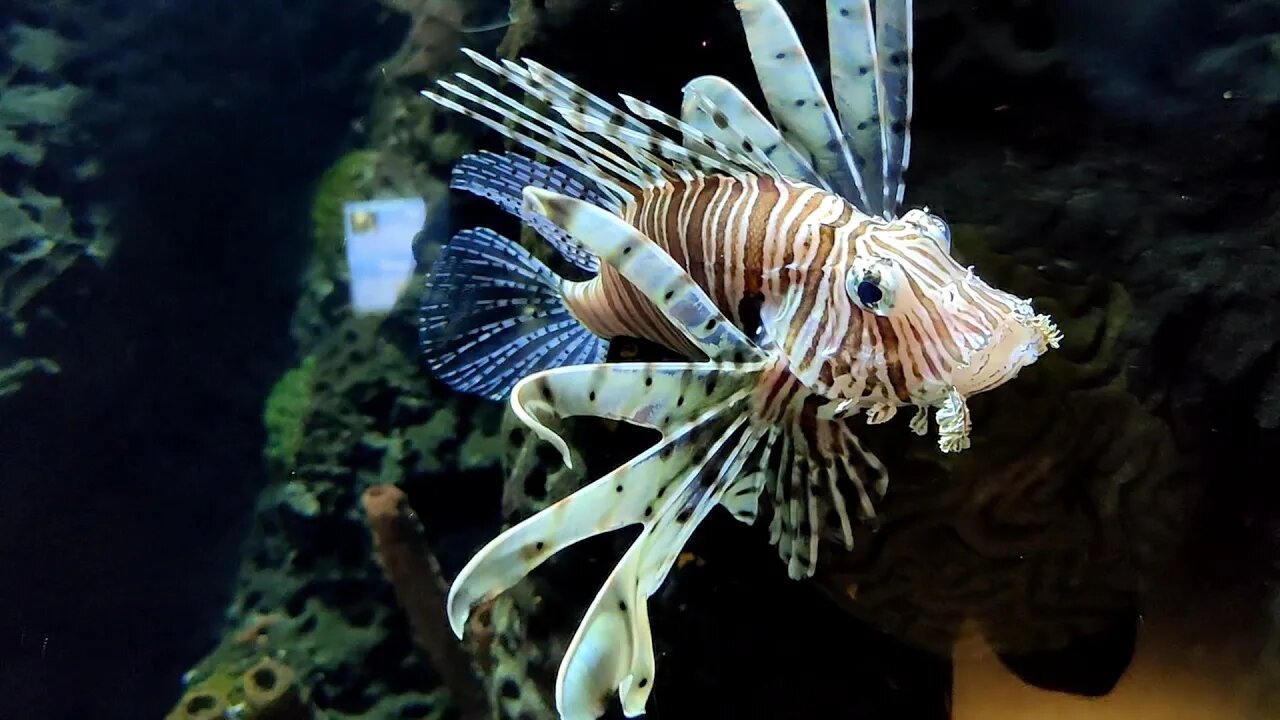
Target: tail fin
(493,314)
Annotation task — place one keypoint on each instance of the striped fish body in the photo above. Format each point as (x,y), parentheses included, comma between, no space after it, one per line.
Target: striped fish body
(775,257)
(741,239)
(770,254)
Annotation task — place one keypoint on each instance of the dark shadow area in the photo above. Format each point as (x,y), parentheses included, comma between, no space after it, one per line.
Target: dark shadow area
(129,478)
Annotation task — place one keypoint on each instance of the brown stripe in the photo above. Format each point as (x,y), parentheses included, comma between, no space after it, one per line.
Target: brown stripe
(949,349)
(813,276)
(925,355)
(897,380)
(716,246)
(757,225)
(693,235)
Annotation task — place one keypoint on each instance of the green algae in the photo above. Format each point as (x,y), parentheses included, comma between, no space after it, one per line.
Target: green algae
(285,413)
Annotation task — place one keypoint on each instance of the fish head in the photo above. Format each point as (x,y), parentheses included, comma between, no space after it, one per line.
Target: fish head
(905,323)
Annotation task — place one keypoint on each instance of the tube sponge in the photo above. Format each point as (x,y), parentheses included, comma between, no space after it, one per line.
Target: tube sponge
(271,692)
(199,705)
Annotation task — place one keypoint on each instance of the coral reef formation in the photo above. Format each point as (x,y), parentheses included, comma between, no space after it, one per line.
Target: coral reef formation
(286,412)
(49,225)
(1057,529)
(246,683)
(312,583)
(199,705)
(271,692)
(415,574)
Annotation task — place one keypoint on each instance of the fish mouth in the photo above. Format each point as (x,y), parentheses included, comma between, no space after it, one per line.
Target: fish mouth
(1044,331)
(1015,344)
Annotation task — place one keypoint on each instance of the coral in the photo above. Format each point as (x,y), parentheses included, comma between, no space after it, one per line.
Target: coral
(311,566)
(369,417)
(415,574)
(350,178)
(271,692)
(199,705)
(285,412)
(47,227)
(361,174)
(242,677)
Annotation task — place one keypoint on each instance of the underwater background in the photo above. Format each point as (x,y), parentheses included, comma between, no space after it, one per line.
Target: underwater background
(227,489)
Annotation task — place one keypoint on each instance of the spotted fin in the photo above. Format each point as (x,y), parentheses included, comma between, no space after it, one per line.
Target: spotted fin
(702,410)
(796,99)
(647,266)
(676,160)
(746,155)
(821,464)
(654,395)
(492,314)
(502,178)
(894,47)
(855,78)
(613,647)
(743,500)
(717,108)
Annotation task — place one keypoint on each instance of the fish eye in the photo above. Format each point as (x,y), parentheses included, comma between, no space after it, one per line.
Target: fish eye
(871,283)
(869,293)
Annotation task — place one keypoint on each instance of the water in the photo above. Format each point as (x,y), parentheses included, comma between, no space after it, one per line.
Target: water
(212,463)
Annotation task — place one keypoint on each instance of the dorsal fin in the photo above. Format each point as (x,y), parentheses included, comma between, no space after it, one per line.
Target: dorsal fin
(894,47)
(717,108)
(855,79)
(796,99)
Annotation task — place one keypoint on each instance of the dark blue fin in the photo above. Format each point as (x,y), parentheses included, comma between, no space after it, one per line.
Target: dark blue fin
(502,178)
(492,314)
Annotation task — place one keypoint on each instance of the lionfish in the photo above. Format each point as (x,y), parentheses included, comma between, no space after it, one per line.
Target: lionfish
(771,255)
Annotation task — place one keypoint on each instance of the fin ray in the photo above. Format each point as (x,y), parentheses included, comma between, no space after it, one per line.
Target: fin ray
(613,647)
(502,179)
(796,99)
(655,395)
(492,313)
(855,80)
(718,108)
(894,41)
